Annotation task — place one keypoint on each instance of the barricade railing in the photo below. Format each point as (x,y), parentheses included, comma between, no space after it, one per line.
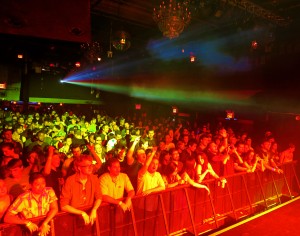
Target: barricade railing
(180,209)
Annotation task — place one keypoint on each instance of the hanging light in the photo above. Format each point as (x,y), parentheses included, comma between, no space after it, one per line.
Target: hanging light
(121,40)
(172,17)
(109,52)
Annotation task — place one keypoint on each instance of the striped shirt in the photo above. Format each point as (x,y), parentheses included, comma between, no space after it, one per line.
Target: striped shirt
(27,205)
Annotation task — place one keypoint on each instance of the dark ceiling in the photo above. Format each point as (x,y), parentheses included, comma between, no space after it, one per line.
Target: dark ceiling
(220,36)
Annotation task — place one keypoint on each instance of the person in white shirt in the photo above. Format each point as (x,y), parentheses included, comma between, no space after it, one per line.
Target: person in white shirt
(149,180)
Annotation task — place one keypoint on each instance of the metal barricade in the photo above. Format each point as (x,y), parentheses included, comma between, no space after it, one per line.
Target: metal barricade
(180,209)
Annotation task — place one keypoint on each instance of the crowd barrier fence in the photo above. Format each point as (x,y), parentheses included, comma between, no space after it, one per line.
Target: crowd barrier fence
(181,209)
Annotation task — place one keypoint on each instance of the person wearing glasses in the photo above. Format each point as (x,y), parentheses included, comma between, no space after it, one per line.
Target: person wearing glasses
(82,190)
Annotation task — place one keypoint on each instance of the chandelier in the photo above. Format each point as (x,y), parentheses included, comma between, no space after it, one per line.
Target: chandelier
(172,17)
(121,40)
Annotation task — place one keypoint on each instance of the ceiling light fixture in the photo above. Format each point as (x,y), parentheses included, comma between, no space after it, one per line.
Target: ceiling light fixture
(172,17)
(121,40)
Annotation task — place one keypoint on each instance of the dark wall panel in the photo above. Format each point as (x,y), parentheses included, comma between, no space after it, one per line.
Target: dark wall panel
(67,20)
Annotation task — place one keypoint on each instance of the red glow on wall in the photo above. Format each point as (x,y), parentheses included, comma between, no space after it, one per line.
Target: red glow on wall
(3,86)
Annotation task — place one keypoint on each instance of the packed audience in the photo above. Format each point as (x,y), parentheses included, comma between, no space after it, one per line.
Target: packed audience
(54,162)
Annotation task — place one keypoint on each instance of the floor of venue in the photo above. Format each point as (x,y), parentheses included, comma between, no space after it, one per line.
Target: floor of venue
(280,220)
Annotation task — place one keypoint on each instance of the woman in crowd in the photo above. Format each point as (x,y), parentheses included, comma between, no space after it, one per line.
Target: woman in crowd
(171,176)
(205,171)
(251,159)
(189,174)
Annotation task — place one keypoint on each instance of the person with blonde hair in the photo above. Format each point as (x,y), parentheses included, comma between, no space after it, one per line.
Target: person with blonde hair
(82,190)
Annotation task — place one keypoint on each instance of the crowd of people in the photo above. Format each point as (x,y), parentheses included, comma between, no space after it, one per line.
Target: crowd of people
(54,162)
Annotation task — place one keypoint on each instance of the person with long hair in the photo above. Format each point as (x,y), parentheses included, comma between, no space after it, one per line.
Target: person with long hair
(189,174)
(171,176)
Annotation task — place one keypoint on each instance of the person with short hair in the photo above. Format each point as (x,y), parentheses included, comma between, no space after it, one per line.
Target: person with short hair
(113,185)
(134,164)
(39,200)
(52,171)
(82,190)
(8,152)
(67,167)
(149,180)
(288,154)
(152,142)
(40,141)
(17,134)
(18,182)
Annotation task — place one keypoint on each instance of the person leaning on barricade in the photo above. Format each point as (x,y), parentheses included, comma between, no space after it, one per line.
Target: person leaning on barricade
(205,171)
(113,185)
(82,190)
(39,200)
(189,175)
(171,176)
(263,153)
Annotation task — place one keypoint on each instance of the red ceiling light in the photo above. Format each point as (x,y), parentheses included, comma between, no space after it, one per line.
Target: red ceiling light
(254,44)
(138,106)
(77,64)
